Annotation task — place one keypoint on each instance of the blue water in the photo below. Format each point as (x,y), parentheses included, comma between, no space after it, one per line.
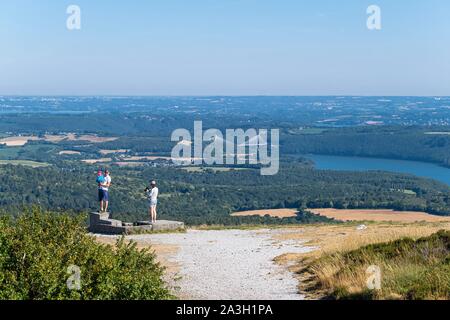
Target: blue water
(421,169)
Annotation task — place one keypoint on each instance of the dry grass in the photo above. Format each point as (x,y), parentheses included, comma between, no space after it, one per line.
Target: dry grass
(69,152)
(317,269)
(279,213)
(378,215)
(408,270)
(89,137)
(341,238)
(20,141)
(17,141)
(93,161)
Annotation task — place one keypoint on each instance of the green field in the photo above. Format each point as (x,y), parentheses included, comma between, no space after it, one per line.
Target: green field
(9,152)
(27,163)
(13,153)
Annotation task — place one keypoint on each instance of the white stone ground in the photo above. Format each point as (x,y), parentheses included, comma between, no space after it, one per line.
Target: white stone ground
(231,264)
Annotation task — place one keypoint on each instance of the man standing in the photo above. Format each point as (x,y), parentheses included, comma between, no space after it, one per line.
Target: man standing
(152,195)
(104,194)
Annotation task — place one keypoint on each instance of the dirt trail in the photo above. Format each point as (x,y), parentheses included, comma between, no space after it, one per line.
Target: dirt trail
(227,264)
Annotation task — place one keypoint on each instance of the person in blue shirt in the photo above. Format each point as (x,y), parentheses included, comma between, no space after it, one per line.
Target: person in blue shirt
(105,191)
(100,180)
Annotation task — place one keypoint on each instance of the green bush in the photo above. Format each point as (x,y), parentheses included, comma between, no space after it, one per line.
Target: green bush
(37,250)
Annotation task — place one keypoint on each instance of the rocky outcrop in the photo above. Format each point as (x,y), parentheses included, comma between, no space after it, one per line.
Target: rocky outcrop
(101,223)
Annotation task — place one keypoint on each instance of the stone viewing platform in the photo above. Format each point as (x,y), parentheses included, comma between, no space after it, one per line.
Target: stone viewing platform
(101,223)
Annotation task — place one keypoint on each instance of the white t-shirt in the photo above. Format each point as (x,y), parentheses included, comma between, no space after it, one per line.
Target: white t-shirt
(107,181)
(153,194)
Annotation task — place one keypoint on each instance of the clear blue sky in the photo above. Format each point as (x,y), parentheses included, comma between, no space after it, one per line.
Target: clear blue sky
(225,47)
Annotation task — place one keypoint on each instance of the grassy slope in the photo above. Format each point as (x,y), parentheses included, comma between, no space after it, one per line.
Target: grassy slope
(411,269)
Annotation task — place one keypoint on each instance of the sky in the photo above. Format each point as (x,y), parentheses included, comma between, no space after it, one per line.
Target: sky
(225,47)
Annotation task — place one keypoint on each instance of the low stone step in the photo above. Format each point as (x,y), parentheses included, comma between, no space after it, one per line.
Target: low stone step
(110,222)
(101,223)
(166,225)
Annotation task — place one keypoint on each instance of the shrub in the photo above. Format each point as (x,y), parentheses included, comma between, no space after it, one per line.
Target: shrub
(37,249)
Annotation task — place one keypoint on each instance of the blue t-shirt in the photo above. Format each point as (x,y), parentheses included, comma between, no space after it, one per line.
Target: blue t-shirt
(100,179)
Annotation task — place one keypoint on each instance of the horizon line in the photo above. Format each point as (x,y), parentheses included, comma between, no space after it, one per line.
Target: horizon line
(217,95)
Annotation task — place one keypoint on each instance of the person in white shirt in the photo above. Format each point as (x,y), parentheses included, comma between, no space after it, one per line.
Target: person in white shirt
(152,196)
(105,191)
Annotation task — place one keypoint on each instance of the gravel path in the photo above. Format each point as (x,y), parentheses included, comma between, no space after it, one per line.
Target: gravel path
(230,264)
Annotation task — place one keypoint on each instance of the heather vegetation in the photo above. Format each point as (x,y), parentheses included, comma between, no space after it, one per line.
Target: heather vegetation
(40,251)
(410,268)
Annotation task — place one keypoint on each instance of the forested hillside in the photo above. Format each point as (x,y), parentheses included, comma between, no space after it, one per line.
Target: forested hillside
(210,196)
(421,144)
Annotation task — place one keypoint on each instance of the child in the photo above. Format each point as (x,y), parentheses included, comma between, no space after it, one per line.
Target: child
(100,178)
